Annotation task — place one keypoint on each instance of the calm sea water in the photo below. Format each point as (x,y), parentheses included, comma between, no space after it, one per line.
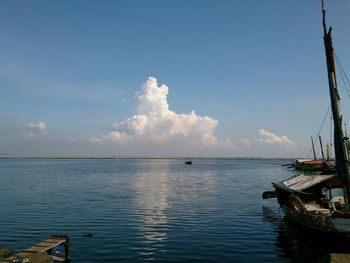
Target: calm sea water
(157,210)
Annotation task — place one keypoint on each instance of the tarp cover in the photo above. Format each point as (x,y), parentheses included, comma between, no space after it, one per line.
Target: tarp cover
(302,182)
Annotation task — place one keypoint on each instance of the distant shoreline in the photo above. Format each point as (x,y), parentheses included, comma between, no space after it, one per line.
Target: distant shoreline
(138,158)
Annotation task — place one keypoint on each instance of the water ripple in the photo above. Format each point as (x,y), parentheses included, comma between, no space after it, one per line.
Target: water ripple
(150,210)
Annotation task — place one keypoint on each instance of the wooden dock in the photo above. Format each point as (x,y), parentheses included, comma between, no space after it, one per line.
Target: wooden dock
(43,252)
(335,258)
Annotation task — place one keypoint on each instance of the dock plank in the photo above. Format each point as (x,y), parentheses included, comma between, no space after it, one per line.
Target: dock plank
(40,253)
(46,245)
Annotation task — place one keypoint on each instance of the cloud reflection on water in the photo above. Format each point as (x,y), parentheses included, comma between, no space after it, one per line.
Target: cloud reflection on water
(163,196)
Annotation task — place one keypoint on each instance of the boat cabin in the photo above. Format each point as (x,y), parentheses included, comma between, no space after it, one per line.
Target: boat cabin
(312,194)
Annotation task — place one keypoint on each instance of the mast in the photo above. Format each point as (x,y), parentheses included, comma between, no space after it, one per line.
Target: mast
(319,137)
(341,154)
(327,151)
(313,148)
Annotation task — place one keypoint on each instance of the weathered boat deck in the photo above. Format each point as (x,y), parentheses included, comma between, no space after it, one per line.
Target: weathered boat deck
(41,252)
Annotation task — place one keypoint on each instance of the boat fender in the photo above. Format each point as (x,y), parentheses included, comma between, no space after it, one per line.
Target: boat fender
(297,205)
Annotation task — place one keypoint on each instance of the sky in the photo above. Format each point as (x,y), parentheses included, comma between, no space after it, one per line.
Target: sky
(166,78)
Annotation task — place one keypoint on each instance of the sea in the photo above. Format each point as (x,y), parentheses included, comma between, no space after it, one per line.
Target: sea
(154,210)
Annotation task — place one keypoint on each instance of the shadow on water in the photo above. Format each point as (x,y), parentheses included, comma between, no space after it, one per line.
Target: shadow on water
(300,244)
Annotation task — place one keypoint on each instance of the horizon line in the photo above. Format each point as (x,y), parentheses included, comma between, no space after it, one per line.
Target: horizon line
(147,157)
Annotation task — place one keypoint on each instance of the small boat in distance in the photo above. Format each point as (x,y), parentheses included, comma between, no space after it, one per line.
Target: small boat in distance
(312,166)
(325,166)
(188,162)
(321,202)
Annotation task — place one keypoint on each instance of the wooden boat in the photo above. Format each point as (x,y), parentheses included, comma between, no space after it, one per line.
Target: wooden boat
(321,202)
(309,165)
(313,165)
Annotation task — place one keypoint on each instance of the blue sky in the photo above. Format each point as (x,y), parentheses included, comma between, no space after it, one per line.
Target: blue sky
(243,78)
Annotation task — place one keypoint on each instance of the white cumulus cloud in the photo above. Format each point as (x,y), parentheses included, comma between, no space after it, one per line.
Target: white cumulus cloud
(154,122)
(267,137)
(35,130)
(39,126)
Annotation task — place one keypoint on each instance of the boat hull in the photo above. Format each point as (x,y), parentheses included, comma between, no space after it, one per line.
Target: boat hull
(321,219)
(324,223)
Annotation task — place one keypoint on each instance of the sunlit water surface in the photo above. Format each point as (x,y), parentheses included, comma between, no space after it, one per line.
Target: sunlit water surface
(159,210)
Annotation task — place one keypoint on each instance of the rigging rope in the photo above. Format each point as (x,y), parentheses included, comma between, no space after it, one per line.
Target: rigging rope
(319,131)
(346,84)
(342,74)
(331,137)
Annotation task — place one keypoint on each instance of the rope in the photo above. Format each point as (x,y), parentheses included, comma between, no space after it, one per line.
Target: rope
(346,83)
(319,131)
(343,74)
